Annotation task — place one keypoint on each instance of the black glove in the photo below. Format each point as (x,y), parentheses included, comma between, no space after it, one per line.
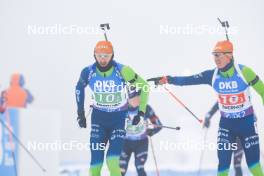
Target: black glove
(150,132)
(161,80)
(81,119)
(138,117)
(207,121)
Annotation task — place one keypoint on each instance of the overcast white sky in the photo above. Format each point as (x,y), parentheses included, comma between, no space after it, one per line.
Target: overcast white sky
(52,62)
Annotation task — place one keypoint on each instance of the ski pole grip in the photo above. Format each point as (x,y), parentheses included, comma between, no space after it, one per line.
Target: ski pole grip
(155,80)
(103,26)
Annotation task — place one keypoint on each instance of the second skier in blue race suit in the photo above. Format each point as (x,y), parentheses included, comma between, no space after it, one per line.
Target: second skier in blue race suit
(136,140)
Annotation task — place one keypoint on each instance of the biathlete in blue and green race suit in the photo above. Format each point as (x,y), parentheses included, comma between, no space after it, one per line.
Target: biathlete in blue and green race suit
(136,140)
(238,153)
(231,83)
(108,81)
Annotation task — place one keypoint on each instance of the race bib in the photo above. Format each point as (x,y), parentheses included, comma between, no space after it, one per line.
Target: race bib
(232,99)
(108,98)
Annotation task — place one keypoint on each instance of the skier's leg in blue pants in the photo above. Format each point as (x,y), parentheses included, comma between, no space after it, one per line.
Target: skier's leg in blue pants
(141,155)
(125,156)
(238,155)
(244,128)
(250,143)
(106,126)
(225,139)
(116,142)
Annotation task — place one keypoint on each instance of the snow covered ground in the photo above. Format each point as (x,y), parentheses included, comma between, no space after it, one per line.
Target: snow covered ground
(82,171)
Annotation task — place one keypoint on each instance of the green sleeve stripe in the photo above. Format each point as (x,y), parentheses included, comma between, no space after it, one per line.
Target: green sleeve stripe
(250,76)
(129,75)
(143,85)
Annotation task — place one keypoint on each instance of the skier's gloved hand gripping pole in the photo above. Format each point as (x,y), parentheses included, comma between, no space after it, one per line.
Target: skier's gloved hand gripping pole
(139,117)
(164,80)
(163,126)
(81,119)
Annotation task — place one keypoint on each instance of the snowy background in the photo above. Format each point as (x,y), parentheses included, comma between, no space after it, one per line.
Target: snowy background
(154,37)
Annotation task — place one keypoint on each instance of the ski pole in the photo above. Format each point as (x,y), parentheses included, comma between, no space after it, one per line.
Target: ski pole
(90,110)
(202,154)
(105,27)
(23,146)
(163,126)
(183,105)
(156,80)
(154,156)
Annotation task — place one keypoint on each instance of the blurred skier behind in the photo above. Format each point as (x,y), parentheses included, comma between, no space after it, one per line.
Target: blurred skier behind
(136,140)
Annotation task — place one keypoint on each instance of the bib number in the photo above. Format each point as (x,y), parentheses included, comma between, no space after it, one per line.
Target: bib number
(108,98)
(232,99)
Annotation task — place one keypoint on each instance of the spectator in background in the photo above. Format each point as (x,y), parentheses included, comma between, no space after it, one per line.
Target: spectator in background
(16,96)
